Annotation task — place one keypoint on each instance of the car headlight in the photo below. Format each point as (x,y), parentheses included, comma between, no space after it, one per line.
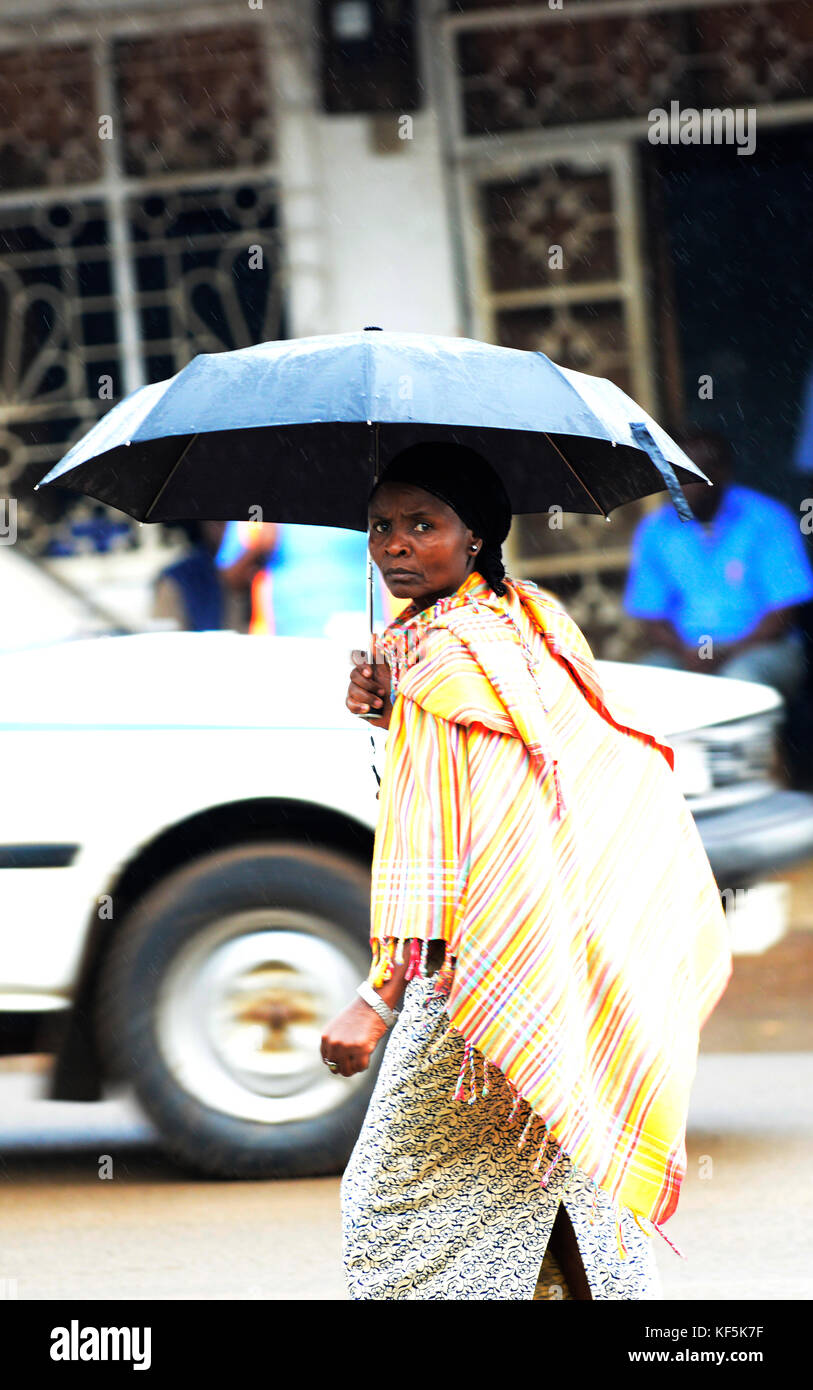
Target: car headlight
(726,764)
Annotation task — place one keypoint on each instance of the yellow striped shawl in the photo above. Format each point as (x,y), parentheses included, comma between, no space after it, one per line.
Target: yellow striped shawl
(548,843)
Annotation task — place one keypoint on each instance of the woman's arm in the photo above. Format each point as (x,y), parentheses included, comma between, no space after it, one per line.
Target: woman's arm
(351,1038)
(392,989)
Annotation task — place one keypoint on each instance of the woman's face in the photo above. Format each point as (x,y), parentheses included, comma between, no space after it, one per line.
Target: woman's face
(413,531)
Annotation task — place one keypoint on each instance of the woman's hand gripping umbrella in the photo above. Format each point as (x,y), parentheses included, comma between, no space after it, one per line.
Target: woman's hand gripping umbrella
(369,692)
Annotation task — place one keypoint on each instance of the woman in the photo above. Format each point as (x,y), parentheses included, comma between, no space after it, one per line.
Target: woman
(542,901)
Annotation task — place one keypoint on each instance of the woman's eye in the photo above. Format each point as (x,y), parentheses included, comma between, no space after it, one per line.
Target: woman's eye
(376,524)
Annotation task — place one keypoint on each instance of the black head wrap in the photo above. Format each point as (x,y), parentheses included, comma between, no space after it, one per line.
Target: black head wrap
(462,479)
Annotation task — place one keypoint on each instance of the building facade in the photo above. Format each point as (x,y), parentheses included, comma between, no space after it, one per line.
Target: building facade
(180,178)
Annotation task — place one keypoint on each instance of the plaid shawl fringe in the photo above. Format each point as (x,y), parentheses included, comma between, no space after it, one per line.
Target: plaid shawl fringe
(390,952)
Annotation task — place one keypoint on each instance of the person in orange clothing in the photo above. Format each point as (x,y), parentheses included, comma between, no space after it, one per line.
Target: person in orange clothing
(308,581)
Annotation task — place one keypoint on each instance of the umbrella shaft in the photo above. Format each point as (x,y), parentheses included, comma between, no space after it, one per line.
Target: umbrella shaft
(374,462)
(370,606)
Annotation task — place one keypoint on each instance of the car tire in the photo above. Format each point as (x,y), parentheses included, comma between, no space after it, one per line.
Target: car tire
(182,1015)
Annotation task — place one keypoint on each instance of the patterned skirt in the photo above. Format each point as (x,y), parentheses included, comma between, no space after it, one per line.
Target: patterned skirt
(437,1202)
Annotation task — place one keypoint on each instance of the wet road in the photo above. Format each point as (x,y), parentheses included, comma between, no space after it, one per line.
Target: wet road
(150,1232)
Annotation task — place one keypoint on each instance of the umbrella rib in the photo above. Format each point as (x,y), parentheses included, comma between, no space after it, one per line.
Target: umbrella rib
(170,475)
(579,480)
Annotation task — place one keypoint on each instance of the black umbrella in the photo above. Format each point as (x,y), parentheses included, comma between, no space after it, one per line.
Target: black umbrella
(301,428)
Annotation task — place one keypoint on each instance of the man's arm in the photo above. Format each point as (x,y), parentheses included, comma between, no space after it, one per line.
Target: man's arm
(660,632)
(770,627)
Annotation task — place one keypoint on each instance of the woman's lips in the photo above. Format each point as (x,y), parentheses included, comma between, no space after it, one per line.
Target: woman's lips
(401,574)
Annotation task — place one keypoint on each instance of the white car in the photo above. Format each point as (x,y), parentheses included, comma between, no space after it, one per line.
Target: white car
(185,842)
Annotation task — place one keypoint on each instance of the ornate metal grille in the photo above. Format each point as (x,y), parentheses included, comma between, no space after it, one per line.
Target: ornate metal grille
(46,139)
(58,341)
(198,289)
(589,66)
(122,257)
(197,103)
(553,205)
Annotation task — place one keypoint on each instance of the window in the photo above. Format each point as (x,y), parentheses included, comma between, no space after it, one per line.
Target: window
(139,225)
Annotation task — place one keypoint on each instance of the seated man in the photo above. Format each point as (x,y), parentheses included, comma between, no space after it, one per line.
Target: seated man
(719,594)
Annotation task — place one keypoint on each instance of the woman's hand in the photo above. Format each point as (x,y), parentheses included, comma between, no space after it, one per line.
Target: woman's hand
(351,1038)
(369,689)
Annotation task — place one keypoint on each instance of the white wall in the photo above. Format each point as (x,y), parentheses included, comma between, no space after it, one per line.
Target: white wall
(367,233)
(389,247)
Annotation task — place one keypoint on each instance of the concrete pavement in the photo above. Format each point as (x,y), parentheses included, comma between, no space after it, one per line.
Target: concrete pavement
(150,1232)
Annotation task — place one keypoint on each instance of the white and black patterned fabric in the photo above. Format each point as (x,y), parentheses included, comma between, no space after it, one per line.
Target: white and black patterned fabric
(438,1203)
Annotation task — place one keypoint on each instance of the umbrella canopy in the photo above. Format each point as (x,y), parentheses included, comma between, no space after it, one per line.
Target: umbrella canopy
(301,427)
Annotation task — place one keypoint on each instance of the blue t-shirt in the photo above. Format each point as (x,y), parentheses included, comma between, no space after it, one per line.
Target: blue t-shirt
(718,579)
(315,571)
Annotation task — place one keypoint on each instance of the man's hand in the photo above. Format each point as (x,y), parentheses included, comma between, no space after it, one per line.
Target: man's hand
(693,661)
(770,628)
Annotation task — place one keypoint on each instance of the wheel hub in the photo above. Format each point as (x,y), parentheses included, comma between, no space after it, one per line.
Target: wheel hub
(242,1009)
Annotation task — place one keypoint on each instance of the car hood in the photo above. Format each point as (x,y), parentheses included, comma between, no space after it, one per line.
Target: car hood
(675,702)
(229,679)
